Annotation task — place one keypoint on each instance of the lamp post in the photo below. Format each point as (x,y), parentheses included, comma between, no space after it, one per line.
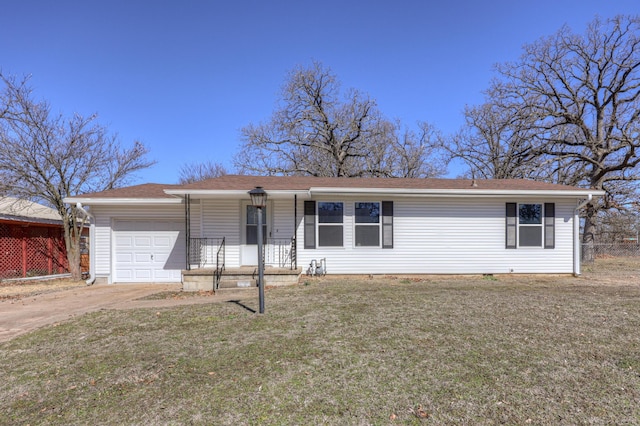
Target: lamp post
(259,201)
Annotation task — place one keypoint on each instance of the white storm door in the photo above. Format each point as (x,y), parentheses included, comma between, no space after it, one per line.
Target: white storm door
(249,233)
(148,251)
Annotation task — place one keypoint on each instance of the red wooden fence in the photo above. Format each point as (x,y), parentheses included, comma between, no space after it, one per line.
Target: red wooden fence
(28,250)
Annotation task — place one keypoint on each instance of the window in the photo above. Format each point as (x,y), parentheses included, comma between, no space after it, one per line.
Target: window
(324,224)
(367,224)
(252,224)
(530,225)
(330,219)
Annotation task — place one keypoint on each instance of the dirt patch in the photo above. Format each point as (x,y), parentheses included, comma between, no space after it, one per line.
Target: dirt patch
(18,289)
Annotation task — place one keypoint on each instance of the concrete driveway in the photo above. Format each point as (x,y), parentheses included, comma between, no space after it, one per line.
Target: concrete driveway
(29,313)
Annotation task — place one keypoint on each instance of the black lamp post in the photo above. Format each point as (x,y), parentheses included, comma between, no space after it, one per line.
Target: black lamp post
(259,201)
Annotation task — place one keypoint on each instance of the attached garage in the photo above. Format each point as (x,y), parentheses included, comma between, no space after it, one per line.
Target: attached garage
(148,251)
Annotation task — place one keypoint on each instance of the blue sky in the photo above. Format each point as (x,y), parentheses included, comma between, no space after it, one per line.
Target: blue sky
(184,76)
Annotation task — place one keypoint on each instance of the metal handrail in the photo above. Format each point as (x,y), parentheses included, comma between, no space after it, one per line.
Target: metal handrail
(280,252)
(220,263)
(201,251)
(210,252)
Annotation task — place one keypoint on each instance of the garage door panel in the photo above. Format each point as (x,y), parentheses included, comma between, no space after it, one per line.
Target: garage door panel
(149,251)
(142,241)
(142,258)
(162,241)
(122,257)
(124,275)
(163,274)
(143,274)
(124,241)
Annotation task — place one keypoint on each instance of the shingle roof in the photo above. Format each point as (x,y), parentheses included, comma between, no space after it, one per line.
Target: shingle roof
(304,183)
(243,182)
(27,210)
(146,190)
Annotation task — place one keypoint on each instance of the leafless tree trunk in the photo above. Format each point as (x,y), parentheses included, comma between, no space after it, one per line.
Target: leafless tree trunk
(47,157)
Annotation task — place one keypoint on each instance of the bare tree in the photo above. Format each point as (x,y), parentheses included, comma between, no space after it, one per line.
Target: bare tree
(46,157)
(195,172)
(493,144)
(316,132)
(571,106)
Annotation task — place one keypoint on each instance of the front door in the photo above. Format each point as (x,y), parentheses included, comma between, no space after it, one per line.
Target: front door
(249,246)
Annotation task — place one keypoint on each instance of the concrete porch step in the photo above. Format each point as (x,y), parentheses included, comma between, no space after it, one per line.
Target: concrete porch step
(240,283)
(237,291)
(238,278)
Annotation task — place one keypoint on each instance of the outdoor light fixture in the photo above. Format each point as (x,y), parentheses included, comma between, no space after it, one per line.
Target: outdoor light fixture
(259,201)
(258,197)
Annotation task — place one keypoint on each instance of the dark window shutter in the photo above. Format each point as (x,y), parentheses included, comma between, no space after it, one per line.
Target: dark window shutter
(512,226)
(387,224)
(309,224)
(549,225)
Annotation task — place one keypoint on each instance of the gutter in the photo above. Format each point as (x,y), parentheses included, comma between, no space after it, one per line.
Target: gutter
(576,234)
(92,238)
(131,201)
(471,192)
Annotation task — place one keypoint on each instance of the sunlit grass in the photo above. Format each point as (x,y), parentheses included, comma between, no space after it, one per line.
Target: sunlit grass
(391,350)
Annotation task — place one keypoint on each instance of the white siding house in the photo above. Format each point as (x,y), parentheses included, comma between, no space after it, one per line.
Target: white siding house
(152,233)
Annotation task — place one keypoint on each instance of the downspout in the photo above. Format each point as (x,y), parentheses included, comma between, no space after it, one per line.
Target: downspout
(576,235)
(92,246)
(294,265)
(187,233)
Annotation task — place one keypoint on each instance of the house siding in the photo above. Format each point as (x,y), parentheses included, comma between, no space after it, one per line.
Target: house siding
(432,235)
(221,219)
(446,236)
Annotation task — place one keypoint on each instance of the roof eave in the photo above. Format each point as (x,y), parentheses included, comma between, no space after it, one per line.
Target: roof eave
(236,193)
(131,201)
(456,192)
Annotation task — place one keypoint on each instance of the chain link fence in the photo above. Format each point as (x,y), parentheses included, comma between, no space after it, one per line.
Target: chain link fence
(615,260)
(30,251)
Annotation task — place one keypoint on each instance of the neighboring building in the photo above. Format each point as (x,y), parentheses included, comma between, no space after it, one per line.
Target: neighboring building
(31,240)
(359,226)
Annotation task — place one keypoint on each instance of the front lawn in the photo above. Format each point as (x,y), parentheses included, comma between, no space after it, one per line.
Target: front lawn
(392,350)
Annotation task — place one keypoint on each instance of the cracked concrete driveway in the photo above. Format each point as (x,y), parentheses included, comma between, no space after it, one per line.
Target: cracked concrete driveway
(23,315)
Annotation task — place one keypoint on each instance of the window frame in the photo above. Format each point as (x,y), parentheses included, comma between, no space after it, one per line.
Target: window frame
(319,224)
(357,224)
(512,226)
(540,225)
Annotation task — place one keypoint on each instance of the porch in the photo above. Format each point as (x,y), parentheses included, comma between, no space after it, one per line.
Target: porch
(207,269)
(244,278)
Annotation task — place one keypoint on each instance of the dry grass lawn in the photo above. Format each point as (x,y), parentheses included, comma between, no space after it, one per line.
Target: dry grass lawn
(386,350)
(20,289)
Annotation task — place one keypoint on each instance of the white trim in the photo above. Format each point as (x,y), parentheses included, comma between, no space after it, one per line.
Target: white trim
(577,244)
(540,225)
(355,224)
(305,194)
(216,193)
(341,224)
(455,192)
(129,201)
(243,230)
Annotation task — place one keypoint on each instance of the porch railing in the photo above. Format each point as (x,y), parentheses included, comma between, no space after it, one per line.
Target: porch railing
(280,253)
(204,252)
(210,253)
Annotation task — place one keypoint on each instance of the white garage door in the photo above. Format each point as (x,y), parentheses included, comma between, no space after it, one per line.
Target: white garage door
(148,251)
